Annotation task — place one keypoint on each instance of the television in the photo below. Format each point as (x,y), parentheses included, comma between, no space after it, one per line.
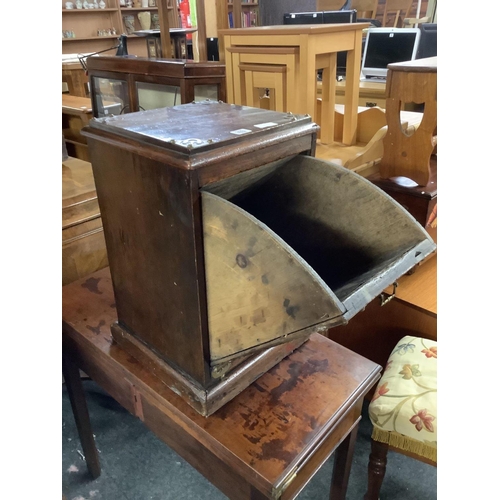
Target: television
(384,46)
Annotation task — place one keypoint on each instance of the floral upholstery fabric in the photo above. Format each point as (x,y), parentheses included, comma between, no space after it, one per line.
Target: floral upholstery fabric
(404,407)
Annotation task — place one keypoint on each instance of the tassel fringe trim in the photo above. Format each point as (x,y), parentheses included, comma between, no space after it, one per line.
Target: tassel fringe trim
(405,443)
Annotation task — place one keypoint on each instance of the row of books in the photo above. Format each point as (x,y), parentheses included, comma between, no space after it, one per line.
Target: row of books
(248,19)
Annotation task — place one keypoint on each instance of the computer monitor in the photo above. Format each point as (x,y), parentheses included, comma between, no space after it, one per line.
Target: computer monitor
(339,16)
(303,18)
(384,46)
(428,41)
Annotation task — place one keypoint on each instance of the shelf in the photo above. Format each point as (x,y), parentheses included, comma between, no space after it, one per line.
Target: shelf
(88,11)
(138,9)
(91,38)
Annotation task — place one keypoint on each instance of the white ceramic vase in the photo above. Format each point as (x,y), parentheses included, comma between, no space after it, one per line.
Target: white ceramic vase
(145,20)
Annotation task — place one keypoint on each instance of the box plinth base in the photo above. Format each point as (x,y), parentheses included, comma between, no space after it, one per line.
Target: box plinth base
(206,401)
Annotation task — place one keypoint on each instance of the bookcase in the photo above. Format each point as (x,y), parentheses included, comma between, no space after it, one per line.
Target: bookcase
(243,13)
(88,30)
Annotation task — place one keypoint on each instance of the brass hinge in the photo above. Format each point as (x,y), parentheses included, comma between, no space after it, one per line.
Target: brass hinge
(387,297)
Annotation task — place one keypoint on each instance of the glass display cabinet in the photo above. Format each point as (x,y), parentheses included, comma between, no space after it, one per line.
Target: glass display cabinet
(138,84)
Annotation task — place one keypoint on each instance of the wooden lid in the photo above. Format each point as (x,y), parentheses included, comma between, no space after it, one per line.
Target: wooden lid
(200,127)
(426,65)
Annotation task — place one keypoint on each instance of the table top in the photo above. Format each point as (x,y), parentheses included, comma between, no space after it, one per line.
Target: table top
(295,29)
(425,65)
(74,103)
(420,288)
(269,430)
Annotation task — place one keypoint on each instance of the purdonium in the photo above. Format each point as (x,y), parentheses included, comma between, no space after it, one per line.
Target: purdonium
(229,243)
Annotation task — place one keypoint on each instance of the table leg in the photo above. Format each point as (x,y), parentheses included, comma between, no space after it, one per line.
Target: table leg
(351,98)
(80,412)
(342,466)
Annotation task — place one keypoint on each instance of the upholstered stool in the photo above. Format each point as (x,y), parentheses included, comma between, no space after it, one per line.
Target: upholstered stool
(403,410)
(264,76)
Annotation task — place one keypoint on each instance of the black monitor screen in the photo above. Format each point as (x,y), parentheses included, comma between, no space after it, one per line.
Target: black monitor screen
(387,48)
(339,16)
(427,46)
(303,18)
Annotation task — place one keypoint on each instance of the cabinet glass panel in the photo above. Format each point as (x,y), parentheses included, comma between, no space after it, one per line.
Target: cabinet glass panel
(111,96)
(204,92)
(153,96)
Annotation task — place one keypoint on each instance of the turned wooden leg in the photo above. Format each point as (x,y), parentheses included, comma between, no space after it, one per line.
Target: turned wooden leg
(342,466)
(376,469)
(80,412)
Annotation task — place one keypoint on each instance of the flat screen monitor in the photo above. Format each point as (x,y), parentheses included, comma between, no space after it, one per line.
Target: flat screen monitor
(428,41)
(303,18)
(339,16)
(384,46)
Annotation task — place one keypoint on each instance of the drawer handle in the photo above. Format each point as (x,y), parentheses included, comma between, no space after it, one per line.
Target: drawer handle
(387,297)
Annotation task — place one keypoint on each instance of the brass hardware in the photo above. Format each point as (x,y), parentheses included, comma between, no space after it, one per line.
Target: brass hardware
(277,493)
(387,297)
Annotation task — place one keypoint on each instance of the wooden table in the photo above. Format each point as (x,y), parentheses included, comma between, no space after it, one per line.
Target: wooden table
(83,245)
(75,78)
(322,40)
(266,443)
(370,93)
(76,113)
(413,311)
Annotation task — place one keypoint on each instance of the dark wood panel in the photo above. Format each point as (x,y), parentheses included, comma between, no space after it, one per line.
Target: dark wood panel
(148,223)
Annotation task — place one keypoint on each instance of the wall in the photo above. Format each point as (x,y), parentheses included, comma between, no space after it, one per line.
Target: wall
(271,11)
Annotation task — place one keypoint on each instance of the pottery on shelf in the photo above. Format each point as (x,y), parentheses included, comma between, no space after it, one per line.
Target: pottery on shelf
(145,20)
(102,5)
(155,21)
(129,24)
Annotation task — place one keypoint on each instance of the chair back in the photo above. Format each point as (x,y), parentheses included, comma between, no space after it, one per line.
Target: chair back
(399,8)
(366,9)
(329,4)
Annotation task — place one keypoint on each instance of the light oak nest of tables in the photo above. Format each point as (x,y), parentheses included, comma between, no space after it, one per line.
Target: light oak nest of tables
(318,46)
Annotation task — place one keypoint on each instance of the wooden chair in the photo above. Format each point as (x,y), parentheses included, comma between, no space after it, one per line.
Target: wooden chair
(406,154)
(329,4)
(400,9)
(366,9)
(403,410)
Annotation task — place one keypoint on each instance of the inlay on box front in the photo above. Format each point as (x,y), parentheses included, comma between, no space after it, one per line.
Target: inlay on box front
(229,243)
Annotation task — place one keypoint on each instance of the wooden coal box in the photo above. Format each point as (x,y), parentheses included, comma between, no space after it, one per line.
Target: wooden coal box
(229,244)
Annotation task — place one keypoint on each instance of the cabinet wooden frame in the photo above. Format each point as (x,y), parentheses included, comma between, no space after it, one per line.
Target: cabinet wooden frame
(178,73)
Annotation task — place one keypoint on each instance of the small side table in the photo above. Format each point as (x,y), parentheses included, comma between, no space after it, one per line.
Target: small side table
(267,443)
(317,46)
